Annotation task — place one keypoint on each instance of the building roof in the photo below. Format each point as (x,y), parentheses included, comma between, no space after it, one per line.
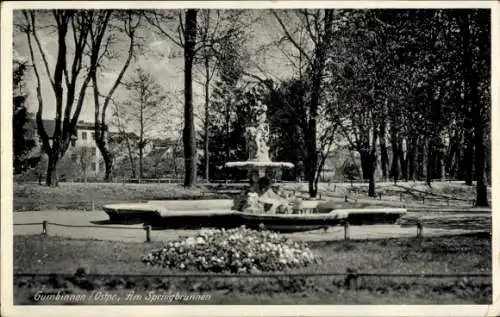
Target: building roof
(85,125)
(121,136)
(163,143)
(50,124)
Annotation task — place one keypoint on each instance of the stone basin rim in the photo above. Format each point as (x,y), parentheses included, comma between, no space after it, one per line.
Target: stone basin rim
(255,163)
(157,207)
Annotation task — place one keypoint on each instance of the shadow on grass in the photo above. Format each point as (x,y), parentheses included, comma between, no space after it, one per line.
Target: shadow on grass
(193,222)
(118,222)
(360,243)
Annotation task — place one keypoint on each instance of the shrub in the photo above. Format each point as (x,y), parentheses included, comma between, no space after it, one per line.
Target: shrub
(236,250)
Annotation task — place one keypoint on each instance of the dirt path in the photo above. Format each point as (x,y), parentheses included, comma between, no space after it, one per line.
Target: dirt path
(136,233)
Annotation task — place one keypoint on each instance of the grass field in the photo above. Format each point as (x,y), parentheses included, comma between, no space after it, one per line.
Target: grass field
(452,254)
(80,196)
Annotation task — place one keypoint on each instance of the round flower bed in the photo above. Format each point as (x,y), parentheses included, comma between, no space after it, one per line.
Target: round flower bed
(234,250)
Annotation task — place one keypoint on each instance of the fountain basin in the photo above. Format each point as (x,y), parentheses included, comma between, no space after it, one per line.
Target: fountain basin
(292,222)
(217,213)
(255,164)
(203,204)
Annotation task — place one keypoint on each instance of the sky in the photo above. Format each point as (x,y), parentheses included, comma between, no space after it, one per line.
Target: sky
(161,57)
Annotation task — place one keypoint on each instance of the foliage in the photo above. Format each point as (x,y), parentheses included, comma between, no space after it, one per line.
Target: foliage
(225,126)
(25,141)
(350,170)
(234,250)
(79,162)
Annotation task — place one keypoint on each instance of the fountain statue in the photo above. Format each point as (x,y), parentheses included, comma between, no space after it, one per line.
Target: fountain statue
(260,197)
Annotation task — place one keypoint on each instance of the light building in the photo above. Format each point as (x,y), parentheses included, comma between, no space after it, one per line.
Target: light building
(82,144)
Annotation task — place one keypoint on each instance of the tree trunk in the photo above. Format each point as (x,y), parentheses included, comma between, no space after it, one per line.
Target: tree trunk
(430,163)
(453,158)
(311,161)
(466,73)
(188,131)
(51,178)
(481,189)
(141,138)
(227,118)
(131,158)
(395,162)
(394,173)
(207,128)
(412,158)
(366,164)
(441,166)
(373,165)
(317,75)
(384,156)
(422,158)
(371,182)
(468,157)
(140,163)
(480,162)
(108,164)
(106,156)
(403,161)
(472,98)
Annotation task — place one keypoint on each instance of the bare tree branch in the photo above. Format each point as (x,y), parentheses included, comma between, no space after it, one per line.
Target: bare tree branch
(155,19)
(40,128)
(306,15)
(32,26)
(291,39)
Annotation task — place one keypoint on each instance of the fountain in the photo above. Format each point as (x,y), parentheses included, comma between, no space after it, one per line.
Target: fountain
(259,197)
(259,205)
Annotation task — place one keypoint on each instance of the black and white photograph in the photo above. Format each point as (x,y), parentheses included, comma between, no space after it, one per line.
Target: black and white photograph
(177,153)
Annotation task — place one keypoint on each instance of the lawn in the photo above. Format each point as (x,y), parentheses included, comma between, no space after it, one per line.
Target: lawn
(81,196)
(451,254)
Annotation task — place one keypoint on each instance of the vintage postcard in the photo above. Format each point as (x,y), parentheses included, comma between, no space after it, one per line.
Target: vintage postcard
(250,158)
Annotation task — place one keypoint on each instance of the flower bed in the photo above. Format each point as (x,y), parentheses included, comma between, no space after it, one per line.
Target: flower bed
(235,250)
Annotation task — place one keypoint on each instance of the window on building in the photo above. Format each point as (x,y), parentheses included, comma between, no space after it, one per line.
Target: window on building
(94,151)
(101,166)
(84,135)
(74,157)
(93,135)
(93,166)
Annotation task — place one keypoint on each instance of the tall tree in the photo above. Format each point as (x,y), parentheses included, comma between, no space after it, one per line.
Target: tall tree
(216,28)
(320,26)
(145,103)
(207,55)
(71,75)
(203,41)
(24,139)
(475,36)
(126,138)
(189,136)
(61,80)
(115,25)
